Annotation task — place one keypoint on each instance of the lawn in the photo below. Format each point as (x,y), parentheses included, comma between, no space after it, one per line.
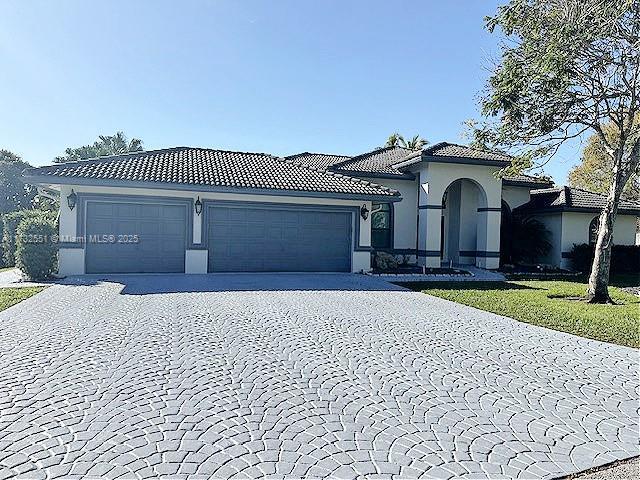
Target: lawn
(11,296)
(544,303)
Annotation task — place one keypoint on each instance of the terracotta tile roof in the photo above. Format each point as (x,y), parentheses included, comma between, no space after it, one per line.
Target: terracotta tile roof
(568,198)
(320,161)
(379,161)
(451,151)
(207,167)
(445,149)
(526,180)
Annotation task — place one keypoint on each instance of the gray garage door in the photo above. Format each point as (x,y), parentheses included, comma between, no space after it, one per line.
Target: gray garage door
(159,247)
(256,239)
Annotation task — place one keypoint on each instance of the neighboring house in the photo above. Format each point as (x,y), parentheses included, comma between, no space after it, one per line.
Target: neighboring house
(199,210)
(572,217)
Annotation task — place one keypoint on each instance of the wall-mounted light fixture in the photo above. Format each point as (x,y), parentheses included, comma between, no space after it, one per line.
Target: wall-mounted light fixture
(198,206)
(364,211)
(72,198)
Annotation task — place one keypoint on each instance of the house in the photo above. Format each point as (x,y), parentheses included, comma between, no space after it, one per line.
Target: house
(572,216)
(198,210)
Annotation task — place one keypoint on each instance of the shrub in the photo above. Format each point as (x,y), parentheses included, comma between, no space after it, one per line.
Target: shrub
(529,239)
(35,249)
(385,261)
(624,258)
(10,223)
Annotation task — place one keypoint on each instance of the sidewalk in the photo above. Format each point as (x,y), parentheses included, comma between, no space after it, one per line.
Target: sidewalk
(13,279)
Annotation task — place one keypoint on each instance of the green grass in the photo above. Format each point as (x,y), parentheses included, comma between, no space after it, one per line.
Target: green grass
(11,296)
(544,303)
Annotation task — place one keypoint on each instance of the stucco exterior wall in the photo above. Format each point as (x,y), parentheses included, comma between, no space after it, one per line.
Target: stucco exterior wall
(570,228)
(515,196)
(71,260)
(405,221)
(575,230)
(434,179)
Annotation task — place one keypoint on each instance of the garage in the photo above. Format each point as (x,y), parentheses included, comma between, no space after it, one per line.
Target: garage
(247,238)
(135,237)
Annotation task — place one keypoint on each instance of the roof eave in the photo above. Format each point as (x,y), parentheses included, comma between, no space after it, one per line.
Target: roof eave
(446,159)
(367,174)
(562,209)
(51,180)
(517,183)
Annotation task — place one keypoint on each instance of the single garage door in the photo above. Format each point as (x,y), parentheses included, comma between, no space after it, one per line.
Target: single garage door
(278,239)
(112,245)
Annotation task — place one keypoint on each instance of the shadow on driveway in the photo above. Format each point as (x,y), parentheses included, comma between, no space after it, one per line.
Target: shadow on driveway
(140,284)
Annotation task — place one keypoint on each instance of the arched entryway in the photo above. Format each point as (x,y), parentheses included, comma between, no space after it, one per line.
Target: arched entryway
(463,222)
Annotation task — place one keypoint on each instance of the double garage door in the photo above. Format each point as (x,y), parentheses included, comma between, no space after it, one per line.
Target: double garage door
(152,238)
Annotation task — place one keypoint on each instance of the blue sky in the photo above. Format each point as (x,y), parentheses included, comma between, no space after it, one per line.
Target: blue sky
(272,76)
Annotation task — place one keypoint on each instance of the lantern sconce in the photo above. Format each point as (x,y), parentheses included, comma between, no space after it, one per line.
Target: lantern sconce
(72,198)
(364,212)
(198,206)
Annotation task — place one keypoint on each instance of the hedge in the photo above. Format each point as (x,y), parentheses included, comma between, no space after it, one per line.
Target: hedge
(624,258)
(36,250)
(10,223)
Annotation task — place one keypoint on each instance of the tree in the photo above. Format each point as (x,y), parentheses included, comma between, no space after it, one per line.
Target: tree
(394,140)
(14,193)
(415,143)
(568,68)
(595,171)
(105,145)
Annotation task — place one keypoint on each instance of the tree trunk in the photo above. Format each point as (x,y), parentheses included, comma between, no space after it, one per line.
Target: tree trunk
(598,290)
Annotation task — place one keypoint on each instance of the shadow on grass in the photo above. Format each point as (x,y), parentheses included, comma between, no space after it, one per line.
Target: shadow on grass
(618,280)
(418,286)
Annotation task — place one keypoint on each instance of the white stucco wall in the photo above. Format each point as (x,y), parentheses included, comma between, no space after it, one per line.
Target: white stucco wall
(405,218)
(515,196)
(71,260)
(434,180)
(570,228)
(575,230)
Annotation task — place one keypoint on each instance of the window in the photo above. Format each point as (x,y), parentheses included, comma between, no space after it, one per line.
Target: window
(593,230)
(381,228)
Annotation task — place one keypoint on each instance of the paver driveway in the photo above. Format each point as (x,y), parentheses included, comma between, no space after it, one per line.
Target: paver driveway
(174,376)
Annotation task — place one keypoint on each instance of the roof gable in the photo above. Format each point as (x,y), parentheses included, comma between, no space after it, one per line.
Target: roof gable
(379,161)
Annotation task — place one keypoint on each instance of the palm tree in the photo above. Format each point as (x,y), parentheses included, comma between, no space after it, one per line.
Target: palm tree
(395,140)
(415,143)
(105,145)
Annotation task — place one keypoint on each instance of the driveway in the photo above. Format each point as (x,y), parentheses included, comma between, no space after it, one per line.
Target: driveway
(299,375)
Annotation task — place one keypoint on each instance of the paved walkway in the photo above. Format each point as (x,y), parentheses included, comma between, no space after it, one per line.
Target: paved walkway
(13,279)
(293,375)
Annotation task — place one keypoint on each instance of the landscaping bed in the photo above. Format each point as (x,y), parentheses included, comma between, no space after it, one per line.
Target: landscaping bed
(418,270)
(11,296)
(546,304)
(532,272)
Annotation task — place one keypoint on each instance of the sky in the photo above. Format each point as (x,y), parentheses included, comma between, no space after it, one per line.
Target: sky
(277,76)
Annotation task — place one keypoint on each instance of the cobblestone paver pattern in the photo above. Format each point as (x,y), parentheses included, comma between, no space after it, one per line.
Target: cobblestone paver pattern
(299,376)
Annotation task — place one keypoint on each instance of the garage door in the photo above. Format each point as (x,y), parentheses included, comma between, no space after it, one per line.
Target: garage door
(112,247)
(275,239)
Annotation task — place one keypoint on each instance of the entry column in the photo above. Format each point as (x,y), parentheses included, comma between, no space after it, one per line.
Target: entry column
(429,227)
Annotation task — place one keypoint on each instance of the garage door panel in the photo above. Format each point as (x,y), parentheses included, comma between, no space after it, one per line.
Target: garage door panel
(161,230)
(278,239)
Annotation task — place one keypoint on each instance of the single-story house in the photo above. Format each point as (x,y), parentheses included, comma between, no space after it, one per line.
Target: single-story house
(572,216)
(199,210)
